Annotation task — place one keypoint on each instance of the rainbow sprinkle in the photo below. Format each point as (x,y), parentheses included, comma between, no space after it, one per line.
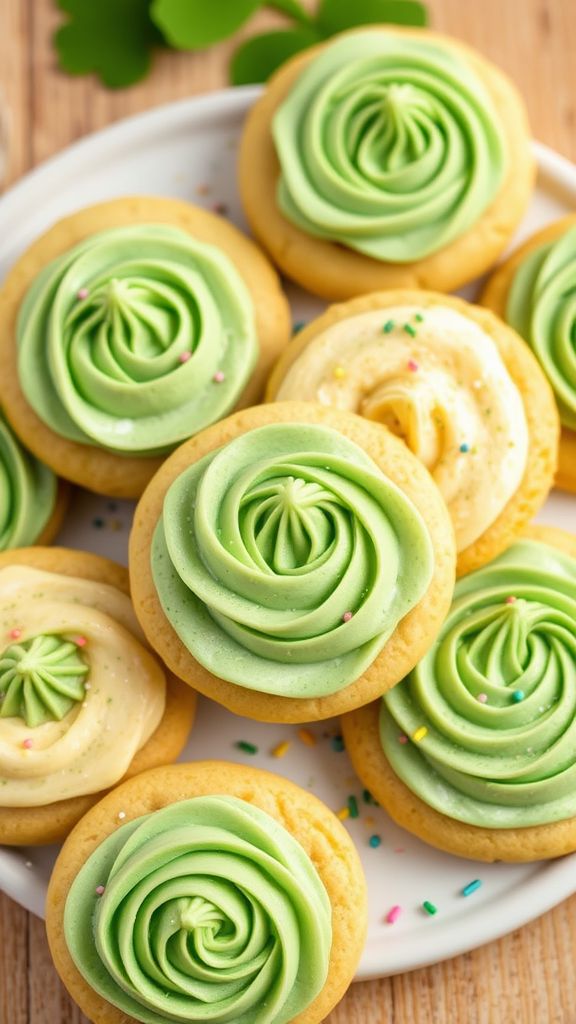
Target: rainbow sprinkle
(80,641)
(185,356)
(100,890)
(339,372)
(518,696)
(307,737)
(412,365)
(337,744)
(347,616)
(388,326)
(218,377)
(419,318)
(343,813)
(420,733)
(430,908)
(464,447)
(510,600)
(482,698)
(353,806)
(27,744)
(121,815)
(402,739)
(410,330)
(15,634)
(393,914)
(471,887)
(246,748)
(82,293)
(281,749)
(374,842)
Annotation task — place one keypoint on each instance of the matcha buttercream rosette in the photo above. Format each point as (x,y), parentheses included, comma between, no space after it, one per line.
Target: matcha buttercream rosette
(228,894)
(32,499)
(474,751)
(291,562)
(127,328)
(74,670)
(535,292)
(386,158)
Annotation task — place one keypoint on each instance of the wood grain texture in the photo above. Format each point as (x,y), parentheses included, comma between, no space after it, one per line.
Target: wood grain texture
(529,976)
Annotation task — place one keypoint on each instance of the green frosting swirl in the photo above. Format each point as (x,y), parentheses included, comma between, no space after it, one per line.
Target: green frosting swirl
(266,545)
(211,912)
(497,694)
(388,145)
(41,679)
(135,339)
(541,306)
(28,492)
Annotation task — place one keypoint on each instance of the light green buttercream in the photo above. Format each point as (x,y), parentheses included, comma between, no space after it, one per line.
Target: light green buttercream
(105,368)
(390,146)
(264,546)
(503,763)
(541,306)
(211,912)
(27,492)
(41,679)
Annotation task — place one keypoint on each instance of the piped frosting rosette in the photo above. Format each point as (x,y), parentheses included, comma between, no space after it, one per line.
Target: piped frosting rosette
(135,339)
(436,378)
(541,306)
(389,145)
(28,492)
(285,560)
(73,673)
(487,719)
(206,910)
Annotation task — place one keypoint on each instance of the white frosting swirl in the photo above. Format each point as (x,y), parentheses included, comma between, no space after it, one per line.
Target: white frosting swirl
(436,378)
(93,745)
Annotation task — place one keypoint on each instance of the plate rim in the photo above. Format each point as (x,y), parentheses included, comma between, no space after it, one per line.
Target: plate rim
(559,875)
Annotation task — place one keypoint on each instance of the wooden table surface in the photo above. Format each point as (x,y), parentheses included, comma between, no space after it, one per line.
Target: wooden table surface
(529,977)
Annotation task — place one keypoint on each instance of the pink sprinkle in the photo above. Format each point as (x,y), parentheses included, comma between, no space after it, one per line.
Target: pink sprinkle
(15,634)
(412,365)
(511,599)
(80,641)
(185,357)
(402,739)
(347,616)
(399,849)
(482,698)
(82,293)
(393,914)
(27,744)
(100,890)
(218,377)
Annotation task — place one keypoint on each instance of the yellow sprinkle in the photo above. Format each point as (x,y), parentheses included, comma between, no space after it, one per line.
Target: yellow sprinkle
(281,750)
(339,372)
(307,737)
(370,822)
(343,813)
(420,734)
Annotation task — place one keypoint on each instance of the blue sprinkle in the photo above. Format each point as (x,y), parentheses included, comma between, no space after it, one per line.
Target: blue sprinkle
(471,887)
(374,841)
(518,696)
(98,523)
(464,448)
(337,744)
(298,326)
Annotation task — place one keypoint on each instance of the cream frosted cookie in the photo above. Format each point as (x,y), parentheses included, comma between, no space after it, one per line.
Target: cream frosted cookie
(229,894)
(127,328)
(386,158)
(291,562)
(83,702)
(32,499)
(456,384)
(474,752)
(533,291)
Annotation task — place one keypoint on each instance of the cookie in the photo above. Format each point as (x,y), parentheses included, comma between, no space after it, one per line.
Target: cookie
(456,384)
(355,167)
(67,629)
(307,928)
(484,772)
(291,561)
(533,291)
(128,327)
(33,501)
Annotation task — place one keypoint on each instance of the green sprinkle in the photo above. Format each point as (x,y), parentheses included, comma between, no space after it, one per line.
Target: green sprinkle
(353,806)
(429,908)
(367,796)
(247,748)
(374,841)
(388,326)
(337,744)
(518,696)
(419,318)
(298,326)
(471,887)
(410,330)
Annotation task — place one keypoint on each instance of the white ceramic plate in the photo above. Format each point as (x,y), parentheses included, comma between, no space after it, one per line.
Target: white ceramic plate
(188,149)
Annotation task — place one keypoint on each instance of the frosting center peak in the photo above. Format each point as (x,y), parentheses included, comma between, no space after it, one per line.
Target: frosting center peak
(41,679)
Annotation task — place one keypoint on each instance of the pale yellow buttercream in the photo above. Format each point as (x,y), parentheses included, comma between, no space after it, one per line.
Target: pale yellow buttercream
(436,379)
(91,748)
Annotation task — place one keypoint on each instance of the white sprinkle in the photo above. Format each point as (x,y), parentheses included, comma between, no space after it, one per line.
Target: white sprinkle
(121,815)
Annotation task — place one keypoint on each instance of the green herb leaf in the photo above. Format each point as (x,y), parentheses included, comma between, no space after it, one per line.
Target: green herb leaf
(337,15)
(196,24)
(260,56)
(113,38)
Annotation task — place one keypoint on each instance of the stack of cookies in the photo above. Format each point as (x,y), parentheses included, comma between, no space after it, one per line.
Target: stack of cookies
(337,523)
